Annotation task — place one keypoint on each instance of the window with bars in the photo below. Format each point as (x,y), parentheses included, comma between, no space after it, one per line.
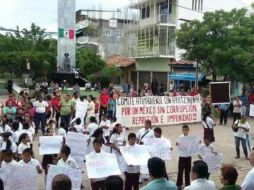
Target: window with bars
(197,5)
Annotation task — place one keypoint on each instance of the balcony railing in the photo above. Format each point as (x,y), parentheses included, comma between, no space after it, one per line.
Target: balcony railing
(160,18)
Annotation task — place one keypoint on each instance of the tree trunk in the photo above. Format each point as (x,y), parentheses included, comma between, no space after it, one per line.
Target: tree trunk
(225,78)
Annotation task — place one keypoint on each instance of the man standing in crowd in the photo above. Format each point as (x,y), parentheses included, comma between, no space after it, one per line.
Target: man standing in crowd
(157,171)
(40,114)
(66,110)
(237,104)
(223,113)
(199,176)
(241,136)
(244,101)
(248,183)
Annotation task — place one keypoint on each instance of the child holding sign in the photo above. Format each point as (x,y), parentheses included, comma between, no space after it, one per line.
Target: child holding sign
(132,172)
(8,160)
(28,160)
(117,139)
(184,163)
(66,160)
(97,184)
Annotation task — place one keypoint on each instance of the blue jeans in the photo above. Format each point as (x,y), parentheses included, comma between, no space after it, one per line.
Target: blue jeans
(237,146)
(248,142)
(40,120)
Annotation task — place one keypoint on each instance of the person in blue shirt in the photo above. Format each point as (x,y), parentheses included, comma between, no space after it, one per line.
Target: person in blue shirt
(157,172)
(244,100)
(223,113)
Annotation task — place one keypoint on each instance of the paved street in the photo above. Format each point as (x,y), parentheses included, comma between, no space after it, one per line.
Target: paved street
(224,143)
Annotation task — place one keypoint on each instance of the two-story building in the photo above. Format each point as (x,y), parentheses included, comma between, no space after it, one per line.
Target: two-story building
(155,44)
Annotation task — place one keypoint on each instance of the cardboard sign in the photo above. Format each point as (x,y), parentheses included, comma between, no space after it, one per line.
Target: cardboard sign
(136,155)
(161,110)
(220,92)
(101,165)
(188,146)
(74,174)
(50,144)
(251,110)
(78,144)
(214,161)
(20,177)
(158,147)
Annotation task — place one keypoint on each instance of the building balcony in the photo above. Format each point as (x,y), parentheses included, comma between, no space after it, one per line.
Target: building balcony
(164,19)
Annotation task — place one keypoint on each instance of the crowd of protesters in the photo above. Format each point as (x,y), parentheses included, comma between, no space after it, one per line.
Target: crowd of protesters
(25,117)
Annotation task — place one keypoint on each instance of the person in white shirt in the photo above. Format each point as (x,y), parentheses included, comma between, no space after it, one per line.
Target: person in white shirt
(8,144)
(248,183)
(28,160)
(117,139)
(40,114)
(81,109)
(97,183)
(90,109)
(24,143)
(205,149)
(208,125)
(237,104)
(158,134)
(26,129)
(241,135)
(105,125)
(199,176)
(79,126)
(61,131)
(66,160)
(15,132)
(132,172)
(145,132)
(8,160)
(92,126)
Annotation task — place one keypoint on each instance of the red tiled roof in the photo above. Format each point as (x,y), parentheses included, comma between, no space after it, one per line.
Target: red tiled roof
(120,61)
(183,62)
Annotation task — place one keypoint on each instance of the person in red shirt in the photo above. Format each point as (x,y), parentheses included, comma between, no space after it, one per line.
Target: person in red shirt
(104,99)
(12,99)
(193,92)
(55,105)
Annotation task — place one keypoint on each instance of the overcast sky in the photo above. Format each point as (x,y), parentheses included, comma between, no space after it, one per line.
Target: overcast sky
(44,12)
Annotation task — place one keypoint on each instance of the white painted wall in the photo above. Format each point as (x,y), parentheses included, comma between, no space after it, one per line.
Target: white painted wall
(208,5)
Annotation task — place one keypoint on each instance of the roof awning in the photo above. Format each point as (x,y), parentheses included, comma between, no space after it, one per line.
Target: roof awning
(185,76)
(152,64)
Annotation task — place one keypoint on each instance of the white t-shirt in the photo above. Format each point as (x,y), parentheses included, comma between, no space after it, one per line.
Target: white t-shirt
(141,133)
(22,147)
(100,154)
(117,140)
(13,146)
(27,131)
(248,183)
(91,109)
(40,107)
(106,132)
(15,136)
(132,169)
(201,183)
(79,128)
(91,128)
(241,132)
(209,123)
(8,164)
(70,162)
(81,109)
(61,132)
(204,150)
(32,162)
(237,106)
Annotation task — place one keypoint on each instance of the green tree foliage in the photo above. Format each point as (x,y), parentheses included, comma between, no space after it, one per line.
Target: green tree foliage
(29,45)
(223,43)
(111,72)
(89,62)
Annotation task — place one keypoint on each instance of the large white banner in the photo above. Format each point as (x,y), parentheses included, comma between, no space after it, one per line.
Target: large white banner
(50,144)
(19,177)
(78,144)
(101,165)
(161,110)
(136,155)
(188,145)
(74,174)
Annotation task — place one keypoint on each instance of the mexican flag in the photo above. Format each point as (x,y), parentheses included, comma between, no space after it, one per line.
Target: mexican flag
(62,33)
